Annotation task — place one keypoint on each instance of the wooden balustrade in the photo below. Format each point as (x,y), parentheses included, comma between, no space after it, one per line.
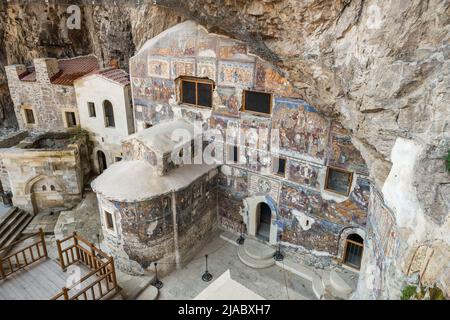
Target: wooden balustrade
(98,283)
(24,257)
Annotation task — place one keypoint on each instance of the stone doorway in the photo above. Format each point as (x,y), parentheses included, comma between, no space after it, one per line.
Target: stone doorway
(102,166)
(264,214)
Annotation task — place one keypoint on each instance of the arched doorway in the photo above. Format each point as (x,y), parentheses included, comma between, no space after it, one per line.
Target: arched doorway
(101,161)
(264,217)
(354,246)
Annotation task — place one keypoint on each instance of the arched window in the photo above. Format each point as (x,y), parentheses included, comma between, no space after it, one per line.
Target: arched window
(354,246)
(52,187)
(44,188)
(109,114)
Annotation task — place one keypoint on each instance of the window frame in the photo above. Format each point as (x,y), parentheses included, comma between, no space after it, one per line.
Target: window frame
(111,229)
(106,118)
(244,109)
(196,80)
(344,257)
(326,186)
(89,104)
(232,161)
(25,110)
(66,115)
(273,166)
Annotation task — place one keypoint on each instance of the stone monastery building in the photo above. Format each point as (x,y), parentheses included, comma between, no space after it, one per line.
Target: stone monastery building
(307,188)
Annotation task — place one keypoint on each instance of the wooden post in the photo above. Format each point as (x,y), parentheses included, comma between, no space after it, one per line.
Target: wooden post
(61,258)
(44,246)
(113,273)
(77,249)
(93,258)
(2,272)
(65,293)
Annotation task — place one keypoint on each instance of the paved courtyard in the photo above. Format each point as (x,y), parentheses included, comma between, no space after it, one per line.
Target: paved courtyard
(270,283)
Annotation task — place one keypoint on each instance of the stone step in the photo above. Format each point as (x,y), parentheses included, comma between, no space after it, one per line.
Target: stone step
(150,293)
(229,237)
(254,263)
(9,219)
(6,215)
(339,284)
(298,269)
(258,250)
(15,229)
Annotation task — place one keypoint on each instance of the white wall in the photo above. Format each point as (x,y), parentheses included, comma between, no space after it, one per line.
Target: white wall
(97,89)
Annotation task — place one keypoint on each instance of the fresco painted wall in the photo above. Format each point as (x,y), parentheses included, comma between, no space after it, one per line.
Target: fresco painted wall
(308,141)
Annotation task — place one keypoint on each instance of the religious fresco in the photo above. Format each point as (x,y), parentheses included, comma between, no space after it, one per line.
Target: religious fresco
(255,131)
(233,50)
(135,150)
(207,46)
(148,221)
(230,103)
(229,210)
(303,132)
(303,173)
(151,113)
(258,185)
(183,67)
(343,153)
(270,80)
(138,67)
(225,126)
(236,74)
(153,89)
(383,225)
(206,68)
(322,235)
(158,67)
(302,199)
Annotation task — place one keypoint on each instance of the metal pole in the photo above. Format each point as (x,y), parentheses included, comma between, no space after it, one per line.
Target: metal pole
(207,276)
(157,283)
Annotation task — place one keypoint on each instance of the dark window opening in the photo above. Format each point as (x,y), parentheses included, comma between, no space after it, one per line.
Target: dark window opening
(259,102)
(233,154)
(109,114)
(52,187)
(147,125)
(279,167)
(117,159)
(29,116)
(197,92)
(109,220)
(44,188)
(338,181)
(71,119)
(91,109)
(354,247)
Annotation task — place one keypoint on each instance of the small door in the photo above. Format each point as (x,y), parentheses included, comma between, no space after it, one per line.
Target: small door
(265,217)
(102,166)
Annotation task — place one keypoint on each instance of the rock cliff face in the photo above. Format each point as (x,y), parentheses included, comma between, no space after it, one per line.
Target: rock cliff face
(382,68)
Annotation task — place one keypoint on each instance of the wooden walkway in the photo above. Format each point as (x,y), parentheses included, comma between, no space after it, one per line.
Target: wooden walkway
(39,281)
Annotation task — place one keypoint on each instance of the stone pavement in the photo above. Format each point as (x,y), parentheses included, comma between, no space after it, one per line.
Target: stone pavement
(270,283)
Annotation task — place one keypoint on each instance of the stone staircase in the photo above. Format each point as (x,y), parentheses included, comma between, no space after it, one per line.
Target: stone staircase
(12,225)
(256,254)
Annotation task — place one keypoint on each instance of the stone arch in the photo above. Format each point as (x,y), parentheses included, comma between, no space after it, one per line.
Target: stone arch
(251,206)
(343,237)
(32,182)
(39,189)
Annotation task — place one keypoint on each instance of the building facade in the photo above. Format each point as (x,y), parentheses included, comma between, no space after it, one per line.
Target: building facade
(105,109)
(310,190)
(44,96)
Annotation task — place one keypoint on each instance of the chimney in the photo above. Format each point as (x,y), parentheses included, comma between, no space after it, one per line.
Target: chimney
(45,69)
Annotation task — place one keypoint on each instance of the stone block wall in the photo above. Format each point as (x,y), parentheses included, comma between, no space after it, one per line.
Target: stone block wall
(48,101)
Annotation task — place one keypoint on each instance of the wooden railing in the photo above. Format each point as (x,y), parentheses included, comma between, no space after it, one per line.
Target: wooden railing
(99,282)
(24,257)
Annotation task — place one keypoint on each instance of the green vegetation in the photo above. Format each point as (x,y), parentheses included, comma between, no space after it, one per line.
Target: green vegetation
(420,293)
(448,161)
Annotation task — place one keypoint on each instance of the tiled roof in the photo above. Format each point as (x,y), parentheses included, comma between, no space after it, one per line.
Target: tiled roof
(69,70)
(117,75)
(72,69)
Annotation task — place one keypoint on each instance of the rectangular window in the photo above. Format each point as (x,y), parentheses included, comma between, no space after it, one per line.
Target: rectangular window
(29,116)
(91,109)
(259,102)
(233,154)
(197,92)
(109,221)
(353,254)
(71,119)
(109,114)
(279,166)
(338,181)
